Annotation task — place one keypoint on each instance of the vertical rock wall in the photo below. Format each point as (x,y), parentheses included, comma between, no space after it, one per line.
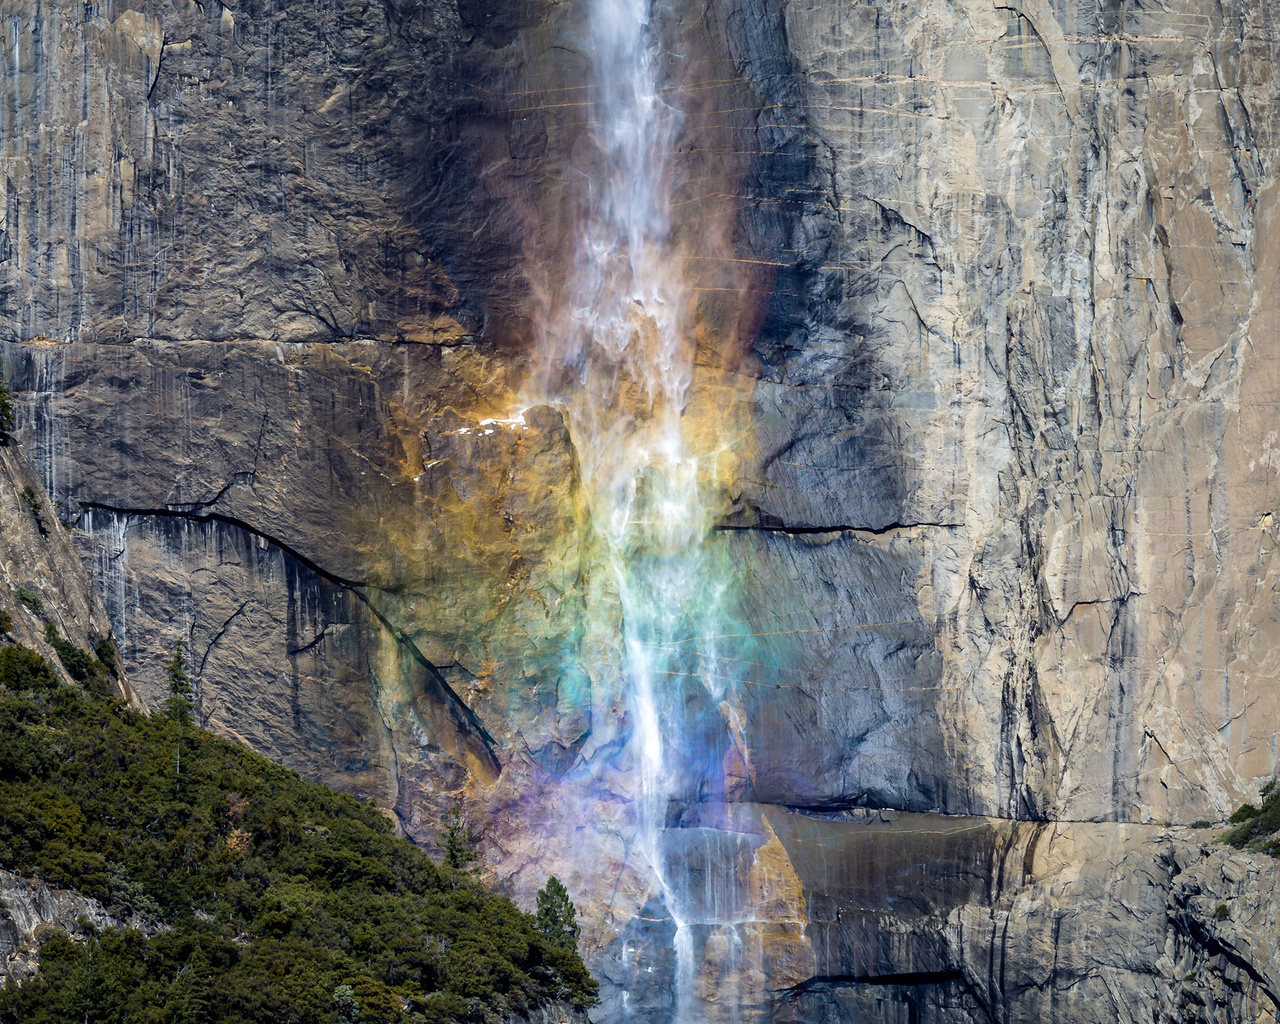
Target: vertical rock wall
(1029,357)
(1004,526)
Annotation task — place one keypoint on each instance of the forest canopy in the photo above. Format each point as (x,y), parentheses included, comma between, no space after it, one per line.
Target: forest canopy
(263,897)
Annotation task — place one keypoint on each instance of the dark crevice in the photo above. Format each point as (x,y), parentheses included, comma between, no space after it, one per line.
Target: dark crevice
(1214,946)
(218,517)
(159,64)
(875,531)
(464,718)
(907,980)
(239,479)
(220,634)
(293,651)
(835,810)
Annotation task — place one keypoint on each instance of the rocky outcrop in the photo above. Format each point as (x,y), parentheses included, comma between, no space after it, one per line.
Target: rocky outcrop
(919,917)
(30,909)
(42,578)
(988,353)
(1024,356)
(330,544)
(253,170)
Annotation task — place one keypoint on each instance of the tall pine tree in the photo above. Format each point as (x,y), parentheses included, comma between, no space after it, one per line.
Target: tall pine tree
(181,696)
(92,999)
(194,990)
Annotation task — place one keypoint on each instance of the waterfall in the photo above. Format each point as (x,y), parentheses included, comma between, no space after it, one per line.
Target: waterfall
(618,359)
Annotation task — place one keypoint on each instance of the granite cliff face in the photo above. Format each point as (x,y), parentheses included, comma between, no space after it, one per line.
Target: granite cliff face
(991,287)
(1042,254)
(43,582)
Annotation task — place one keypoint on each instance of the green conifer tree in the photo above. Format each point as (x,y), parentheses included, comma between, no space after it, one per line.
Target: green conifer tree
(8,417)
(459,840)
(91,996)
(346,1003)
(181,696)
(196,981)
(557,919)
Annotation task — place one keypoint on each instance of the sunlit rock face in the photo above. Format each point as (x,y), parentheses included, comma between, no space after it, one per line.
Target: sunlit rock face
(980,330)
(1022,356)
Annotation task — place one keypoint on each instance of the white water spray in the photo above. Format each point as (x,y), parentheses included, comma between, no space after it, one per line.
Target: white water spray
(619,361)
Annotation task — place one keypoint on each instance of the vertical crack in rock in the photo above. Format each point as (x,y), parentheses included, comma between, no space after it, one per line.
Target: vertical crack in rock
(222,630)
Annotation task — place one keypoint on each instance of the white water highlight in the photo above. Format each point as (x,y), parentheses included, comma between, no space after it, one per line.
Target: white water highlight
(618,360)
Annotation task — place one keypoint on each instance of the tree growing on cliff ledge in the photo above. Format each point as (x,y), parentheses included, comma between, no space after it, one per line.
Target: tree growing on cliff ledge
(557,918)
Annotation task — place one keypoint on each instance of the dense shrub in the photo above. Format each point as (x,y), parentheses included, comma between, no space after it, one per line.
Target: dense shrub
(29,598)
(1256,827)
(21,668)
(275,892)
(79,664)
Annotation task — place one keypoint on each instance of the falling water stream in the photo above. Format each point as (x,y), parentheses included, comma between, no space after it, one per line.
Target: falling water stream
(619,361)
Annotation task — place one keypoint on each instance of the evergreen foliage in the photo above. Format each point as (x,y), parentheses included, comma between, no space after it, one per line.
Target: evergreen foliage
(181,697)
(460,840)
(344,998)
(30,599)
(8,414)
(21,668)
(106,652)
(557,919)
(1256,828)
(34,502)
(79,664)
(278,897)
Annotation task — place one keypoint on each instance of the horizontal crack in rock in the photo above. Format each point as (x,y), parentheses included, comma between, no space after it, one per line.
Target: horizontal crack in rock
(910,978)
(874,531)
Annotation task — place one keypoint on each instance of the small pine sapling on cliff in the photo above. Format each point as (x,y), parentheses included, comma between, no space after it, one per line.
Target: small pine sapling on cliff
(8,416)
(30,599)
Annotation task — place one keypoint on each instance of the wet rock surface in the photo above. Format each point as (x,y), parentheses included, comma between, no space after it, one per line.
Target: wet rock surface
(333,547)
(949,918)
